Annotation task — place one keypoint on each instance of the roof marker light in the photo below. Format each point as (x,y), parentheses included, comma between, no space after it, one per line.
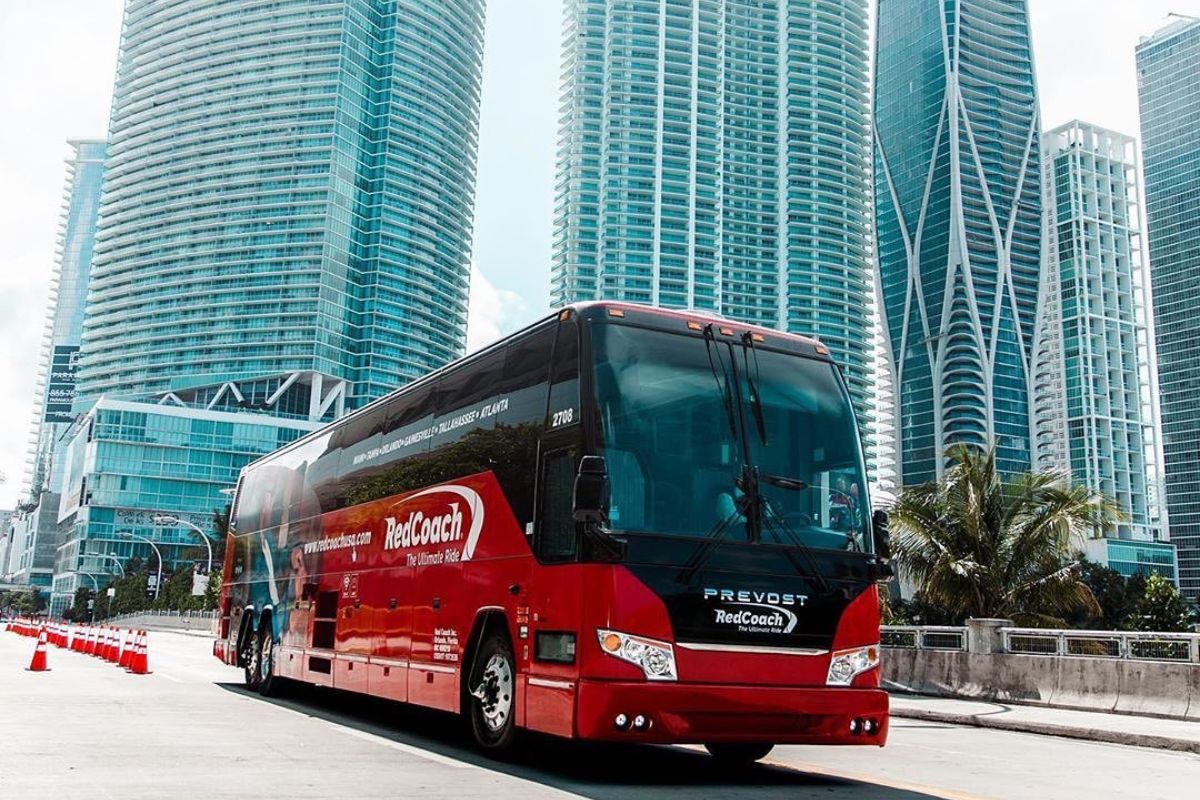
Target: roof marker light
(695,326)
(758,337)
(616,312)
(727,331)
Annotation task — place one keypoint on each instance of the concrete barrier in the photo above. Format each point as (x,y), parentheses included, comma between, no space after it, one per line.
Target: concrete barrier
(1091,683)
(1150,688)
(1193,711)
(194,623)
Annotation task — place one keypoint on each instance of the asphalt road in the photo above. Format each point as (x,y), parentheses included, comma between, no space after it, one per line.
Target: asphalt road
(87,729)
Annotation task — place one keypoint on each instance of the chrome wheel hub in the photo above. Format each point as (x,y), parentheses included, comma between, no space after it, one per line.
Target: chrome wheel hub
(495,692)
(264,657)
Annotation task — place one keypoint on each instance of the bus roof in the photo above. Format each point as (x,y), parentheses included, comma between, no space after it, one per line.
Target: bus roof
(590,309)
(689,315)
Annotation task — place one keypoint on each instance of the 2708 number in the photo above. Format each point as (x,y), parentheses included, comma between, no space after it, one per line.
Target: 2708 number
(564,417)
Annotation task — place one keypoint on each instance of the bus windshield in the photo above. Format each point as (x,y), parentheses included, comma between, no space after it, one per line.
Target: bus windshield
(683,420)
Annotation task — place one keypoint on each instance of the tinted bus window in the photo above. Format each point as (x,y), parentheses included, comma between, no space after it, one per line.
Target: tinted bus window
(465,400)
(564,382)
(389,463)
(524,386)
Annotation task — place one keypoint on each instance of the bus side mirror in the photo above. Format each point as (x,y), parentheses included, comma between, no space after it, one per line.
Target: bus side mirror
(591,496)
(882,537)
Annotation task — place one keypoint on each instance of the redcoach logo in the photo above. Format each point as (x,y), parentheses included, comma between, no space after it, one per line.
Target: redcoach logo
(450,514)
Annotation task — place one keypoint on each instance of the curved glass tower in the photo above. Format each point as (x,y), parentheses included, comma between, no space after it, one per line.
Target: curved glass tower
(715,154)
(958,212)
(288,188)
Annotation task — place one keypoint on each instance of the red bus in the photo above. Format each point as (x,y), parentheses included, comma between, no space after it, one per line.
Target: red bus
(620,523)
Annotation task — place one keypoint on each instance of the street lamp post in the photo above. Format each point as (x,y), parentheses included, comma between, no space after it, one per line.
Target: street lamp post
(157,552)
(171,519)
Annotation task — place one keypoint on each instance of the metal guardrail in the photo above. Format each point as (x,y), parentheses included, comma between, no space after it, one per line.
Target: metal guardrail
(1133,645)
(1183,648)
(923,637)
(196,615)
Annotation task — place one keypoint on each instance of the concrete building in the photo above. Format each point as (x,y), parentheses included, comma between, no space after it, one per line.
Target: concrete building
(715,155)
(958,222)
(1169,97)
(35,540)
(1096,406)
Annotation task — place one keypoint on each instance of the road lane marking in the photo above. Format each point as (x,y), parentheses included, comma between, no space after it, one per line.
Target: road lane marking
(404,748)
(877,780)
(377,739)
(168,677)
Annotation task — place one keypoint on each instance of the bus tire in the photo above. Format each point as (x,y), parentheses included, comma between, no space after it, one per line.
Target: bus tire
(268,681)
(491,692)
(738,752)
(248,657)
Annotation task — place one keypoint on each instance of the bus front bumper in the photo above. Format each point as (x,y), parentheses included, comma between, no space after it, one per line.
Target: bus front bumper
(696,713)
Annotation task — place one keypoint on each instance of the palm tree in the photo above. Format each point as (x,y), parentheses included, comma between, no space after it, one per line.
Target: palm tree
(983,546)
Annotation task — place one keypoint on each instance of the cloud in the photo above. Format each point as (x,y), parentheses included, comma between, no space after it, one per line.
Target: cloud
(493,311)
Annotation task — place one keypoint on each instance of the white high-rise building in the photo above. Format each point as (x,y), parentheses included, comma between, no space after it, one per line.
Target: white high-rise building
(1096,410)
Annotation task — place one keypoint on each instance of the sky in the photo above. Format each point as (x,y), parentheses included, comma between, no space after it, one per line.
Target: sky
(57,85)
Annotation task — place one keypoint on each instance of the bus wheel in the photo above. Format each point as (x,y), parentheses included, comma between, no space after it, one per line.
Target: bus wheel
(739,752)
(268,683)
(249,657)
(492,694)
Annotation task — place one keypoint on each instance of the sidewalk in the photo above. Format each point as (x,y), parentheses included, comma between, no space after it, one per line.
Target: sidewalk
(1165,734)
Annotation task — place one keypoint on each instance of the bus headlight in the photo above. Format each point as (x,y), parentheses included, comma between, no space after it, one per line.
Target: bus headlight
(656,659)
(846,664)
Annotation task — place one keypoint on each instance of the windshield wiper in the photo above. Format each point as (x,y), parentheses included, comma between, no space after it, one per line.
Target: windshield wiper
(722,386)
(755,398)
(751,505)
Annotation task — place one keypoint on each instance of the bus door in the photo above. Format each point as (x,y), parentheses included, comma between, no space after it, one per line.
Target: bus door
(546,653)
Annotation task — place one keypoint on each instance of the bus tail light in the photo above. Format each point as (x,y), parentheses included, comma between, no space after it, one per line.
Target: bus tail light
(846,664)
(656,659)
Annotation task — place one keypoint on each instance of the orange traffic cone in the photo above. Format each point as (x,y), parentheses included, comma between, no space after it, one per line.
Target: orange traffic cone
(110,648)
(89,642)
(127,645)
(140,663)
(38,662)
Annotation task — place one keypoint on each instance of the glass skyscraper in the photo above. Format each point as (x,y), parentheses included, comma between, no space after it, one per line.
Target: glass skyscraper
(1169,95)
(33,540)
(958,215)
(126,462)
(288,190)
(64,323)
(284,234)
(1095,407)
(714,154)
